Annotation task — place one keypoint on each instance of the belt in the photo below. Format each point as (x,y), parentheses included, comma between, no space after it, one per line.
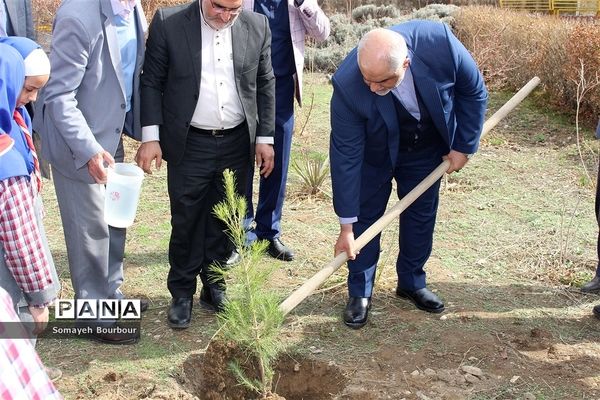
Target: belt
(215,132)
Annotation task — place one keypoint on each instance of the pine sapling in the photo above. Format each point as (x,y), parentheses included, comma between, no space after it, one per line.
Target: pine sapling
(251,317)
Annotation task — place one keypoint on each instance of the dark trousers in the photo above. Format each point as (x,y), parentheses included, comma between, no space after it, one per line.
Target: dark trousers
(417,224)
(598,217)
(272,189)
(195,185)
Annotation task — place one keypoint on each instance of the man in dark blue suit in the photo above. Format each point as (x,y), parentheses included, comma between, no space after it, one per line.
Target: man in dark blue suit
(405,99)
(593,286)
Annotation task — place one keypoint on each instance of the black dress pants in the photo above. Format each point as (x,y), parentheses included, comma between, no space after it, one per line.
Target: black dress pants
(195,185)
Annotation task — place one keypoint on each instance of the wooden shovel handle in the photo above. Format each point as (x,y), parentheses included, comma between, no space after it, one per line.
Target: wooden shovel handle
(393,213)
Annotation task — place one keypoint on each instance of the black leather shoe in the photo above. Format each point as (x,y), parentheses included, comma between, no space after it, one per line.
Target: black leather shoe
(592,286)
(279,250)
(115,335)
(180,313)
(144,304)
(357,312)
(233,259)
(212,299)
(424,299)
(596,311)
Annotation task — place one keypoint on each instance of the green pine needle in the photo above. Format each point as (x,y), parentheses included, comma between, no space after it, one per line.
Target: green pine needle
(251,317)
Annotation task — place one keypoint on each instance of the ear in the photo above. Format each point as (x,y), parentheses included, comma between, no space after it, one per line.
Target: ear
(406,63)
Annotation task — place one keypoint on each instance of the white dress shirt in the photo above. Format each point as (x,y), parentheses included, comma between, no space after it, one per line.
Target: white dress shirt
(218,106)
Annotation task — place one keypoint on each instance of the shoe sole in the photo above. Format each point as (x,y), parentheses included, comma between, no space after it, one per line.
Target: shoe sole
(208,307)
(178,326)
(590,291)
(420,307)
(355,325)
(280,256)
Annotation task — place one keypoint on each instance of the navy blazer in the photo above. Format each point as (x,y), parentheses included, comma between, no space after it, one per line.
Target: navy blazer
(364,125)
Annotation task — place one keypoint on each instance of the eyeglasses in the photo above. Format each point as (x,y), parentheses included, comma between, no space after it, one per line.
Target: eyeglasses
(221,10)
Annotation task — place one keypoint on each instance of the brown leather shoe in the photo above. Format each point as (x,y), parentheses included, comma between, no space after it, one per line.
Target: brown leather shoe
(115,334)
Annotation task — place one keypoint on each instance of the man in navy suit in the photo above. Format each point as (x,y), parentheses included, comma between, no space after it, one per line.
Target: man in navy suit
(405,99)
(593,286)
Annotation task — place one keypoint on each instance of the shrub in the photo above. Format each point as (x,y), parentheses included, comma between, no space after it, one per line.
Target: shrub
(345,34)
(511,47)
(313,171)
(364,13)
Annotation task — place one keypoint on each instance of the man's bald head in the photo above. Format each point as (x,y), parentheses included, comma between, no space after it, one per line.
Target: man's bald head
(382,57)
(381,49)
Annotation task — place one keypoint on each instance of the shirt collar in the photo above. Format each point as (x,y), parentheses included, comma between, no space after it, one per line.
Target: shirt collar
(123,9)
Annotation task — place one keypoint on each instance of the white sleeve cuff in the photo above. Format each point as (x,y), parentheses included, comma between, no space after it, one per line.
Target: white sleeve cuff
(348,220)
(150,133)
(265,140)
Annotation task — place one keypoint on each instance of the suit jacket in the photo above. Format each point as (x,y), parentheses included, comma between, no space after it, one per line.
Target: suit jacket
(81,111)
(20,17)
(172,71)
(305,20)
(364,125)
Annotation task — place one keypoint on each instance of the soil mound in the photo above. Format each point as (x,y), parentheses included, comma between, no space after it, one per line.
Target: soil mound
(297,377)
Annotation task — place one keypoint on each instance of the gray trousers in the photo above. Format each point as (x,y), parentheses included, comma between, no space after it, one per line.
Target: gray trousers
(94,249)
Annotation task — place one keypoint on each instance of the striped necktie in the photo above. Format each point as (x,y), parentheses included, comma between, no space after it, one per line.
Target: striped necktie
(36,163)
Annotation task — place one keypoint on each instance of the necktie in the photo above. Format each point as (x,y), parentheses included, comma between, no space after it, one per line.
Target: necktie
(36,163)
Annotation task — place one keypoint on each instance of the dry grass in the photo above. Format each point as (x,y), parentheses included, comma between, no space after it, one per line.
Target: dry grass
(511,47)
(515,234)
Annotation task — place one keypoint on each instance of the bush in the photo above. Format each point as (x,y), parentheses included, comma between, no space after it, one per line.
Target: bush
(345,34)
(512,47)
(364,13)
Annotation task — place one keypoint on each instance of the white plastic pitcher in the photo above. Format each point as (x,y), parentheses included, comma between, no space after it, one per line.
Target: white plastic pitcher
(123,186)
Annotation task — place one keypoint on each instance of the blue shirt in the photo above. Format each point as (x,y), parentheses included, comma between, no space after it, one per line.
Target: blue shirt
(127,38)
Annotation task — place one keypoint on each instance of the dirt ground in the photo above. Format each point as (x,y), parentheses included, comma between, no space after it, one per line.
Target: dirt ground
(514,240)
